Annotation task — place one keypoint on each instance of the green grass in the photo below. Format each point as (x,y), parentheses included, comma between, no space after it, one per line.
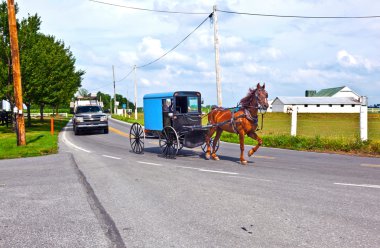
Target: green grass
(140,118)
(315,132)
(39,140)
(49,110)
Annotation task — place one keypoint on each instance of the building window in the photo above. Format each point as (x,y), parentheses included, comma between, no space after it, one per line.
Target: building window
(318,105)
(306,105)
(330,105)
(342,105)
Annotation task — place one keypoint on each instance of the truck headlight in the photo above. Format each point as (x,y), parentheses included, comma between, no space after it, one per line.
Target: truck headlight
(79,119)
(103,118)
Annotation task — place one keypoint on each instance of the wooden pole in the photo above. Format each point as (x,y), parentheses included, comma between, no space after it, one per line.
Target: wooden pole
(21,140)
(52,125)
(217,67)
(114,91)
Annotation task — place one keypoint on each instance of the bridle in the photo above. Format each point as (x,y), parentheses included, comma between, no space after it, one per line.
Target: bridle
(257,104)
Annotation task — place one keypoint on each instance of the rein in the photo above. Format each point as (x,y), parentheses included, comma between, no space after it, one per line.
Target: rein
(247,114)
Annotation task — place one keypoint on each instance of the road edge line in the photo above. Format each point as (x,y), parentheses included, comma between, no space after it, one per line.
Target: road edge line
(105,220)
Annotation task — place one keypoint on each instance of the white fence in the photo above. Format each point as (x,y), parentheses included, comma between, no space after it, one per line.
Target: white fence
(363,120)
(33,115)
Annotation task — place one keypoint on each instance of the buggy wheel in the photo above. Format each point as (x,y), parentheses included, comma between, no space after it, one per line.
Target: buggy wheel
(169,142)
(137,138)
(204,147)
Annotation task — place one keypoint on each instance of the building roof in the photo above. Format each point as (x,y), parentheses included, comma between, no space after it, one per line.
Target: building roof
(314,100)
(328,92)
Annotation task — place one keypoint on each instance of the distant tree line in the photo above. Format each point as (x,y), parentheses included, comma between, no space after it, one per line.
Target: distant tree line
(48,73)
(108,100)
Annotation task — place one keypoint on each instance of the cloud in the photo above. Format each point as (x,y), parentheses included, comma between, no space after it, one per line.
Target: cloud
(147,82)
(346,59)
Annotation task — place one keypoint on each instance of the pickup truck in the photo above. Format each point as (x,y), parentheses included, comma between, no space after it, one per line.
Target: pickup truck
(88,118)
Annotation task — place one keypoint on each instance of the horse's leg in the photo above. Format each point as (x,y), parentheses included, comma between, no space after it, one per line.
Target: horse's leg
(241,141)
(208,137)
(217,137)
(254,136)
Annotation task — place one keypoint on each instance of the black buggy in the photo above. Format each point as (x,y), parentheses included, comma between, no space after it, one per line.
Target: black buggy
(175,118)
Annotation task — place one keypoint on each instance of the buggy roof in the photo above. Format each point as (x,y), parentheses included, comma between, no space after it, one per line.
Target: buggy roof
(171,94)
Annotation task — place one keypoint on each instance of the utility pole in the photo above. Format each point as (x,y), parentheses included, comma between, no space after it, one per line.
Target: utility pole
(20,124)
(127,100)
(114,91)
(217,67)
(134,69)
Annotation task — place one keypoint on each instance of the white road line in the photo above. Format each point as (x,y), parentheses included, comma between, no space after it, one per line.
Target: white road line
(110,157)
(186,167)
(251,178)
(360,185)
(193,168)
(72,145)
(204,170)
(141,162)
(370,165)
(221,172)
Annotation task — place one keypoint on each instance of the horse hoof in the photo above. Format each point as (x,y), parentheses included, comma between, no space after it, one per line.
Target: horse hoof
(250,153)
(207,156)
(215,158)
(244,162)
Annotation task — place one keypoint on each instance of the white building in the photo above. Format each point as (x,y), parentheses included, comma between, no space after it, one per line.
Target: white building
(332,100)
(342,91)
(4,105)
(316,104)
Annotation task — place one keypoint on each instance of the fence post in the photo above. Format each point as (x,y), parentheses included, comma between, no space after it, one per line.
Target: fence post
(364,118)
(293,129)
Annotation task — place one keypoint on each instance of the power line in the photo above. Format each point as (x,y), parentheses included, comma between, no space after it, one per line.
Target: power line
(240,13)
(150,10)
(129,73)
(147,64)
(141,66)
(298,16)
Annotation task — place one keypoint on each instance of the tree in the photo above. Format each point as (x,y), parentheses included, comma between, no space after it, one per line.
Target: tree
(105,98)
(82,92)
(122,100)
(48,68)
(6,85)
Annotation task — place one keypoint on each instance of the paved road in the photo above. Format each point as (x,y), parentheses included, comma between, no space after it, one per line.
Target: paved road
(281,199)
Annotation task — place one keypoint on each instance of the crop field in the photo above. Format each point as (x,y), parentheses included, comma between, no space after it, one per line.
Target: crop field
(341,126)
(335,126)
(315,132)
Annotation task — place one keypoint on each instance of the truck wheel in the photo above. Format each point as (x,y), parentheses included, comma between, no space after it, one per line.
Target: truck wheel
(106,130)
(76,131)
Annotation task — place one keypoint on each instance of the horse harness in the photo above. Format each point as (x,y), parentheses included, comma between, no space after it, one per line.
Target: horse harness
(253,119)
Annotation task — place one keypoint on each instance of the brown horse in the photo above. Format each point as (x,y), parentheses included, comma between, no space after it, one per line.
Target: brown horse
(242,122)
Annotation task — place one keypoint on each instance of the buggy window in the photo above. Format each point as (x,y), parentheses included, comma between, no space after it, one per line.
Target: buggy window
(181,104)
(167,105)
(186,104)
(192,104)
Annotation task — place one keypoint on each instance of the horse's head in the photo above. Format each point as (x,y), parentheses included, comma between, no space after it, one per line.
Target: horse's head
(256,98)
(261,97)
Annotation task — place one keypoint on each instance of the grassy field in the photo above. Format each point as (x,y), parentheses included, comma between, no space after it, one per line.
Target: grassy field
(38,139)
(335,126)
(315,132)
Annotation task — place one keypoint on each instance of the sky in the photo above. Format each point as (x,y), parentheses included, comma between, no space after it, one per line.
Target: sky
(290,55)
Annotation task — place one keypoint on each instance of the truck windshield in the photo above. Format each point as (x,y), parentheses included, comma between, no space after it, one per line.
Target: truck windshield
(87,109)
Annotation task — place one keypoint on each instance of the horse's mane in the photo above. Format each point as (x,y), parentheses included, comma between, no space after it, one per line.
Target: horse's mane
(247,100)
